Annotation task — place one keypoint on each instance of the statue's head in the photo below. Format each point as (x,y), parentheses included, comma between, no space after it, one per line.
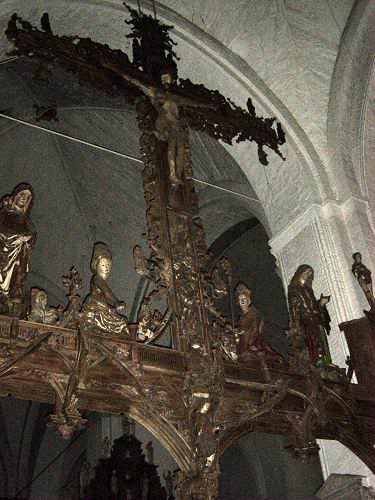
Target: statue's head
(304,275)
(39,299)
(22,198)
(101,260)
(244,296)
(103,267)
(167,79)
(357,257)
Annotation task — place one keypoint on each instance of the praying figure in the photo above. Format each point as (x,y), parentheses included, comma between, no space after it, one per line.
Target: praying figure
(309,316)
(252,339)
(17,237)
(168,125)
(101,309)
(363,276)
(40,311)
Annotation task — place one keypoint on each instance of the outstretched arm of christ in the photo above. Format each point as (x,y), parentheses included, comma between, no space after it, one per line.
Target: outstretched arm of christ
(151,91)
(148,90)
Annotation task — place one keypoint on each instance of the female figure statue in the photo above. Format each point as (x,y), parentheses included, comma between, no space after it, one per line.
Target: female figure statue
(40,311)
(308,315)
(251,328)
(101,308)
(17,237)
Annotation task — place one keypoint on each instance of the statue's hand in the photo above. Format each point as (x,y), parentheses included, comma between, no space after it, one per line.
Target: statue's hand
(324,299)
(120,306)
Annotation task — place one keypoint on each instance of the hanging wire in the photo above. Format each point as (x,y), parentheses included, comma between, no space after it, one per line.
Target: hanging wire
(70,137)
(139,8)
(72,441)
(10,59)
(117,153)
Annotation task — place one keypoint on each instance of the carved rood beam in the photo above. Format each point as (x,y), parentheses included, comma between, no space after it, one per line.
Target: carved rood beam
(145,381)
(193,401)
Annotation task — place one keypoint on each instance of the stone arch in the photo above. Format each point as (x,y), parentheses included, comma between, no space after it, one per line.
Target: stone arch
(244,78)
(348,98)
(360,448)
(164,432)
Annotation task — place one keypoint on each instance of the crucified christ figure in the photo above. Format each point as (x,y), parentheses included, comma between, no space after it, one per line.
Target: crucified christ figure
(168,125)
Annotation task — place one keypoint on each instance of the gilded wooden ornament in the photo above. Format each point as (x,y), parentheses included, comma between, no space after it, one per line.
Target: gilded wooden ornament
(195,397)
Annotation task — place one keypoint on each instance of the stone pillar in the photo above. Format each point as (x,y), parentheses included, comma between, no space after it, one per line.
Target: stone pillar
(323,237)
(346,487)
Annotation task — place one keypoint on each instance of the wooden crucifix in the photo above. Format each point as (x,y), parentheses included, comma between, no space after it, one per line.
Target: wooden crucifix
(176,237)
(166,110)
(169,126)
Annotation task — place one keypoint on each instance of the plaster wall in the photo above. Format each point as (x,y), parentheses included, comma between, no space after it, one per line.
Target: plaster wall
(258,467)
(283,54)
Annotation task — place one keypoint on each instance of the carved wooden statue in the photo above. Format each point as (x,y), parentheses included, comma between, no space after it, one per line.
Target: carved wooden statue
(363,276)
(252,340)
(40,310)
(101,308)
(70,317)
(17,237)
(168,125)
(309,316)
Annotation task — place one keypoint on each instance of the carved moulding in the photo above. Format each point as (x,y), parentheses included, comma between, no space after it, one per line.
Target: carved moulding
(66,417)
(107,388)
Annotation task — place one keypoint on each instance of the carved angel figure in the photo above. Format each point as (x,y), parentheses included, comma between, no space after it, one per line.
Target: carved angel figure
(309,315)
(17,237)
(251,328)
(363,276)
(40,311)
(101,308)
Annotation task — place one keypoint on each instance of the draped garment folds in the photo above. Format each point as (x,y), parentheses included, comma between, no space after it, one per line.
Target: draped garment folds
(15,228)
(253,339)
(312,318)
(99,309)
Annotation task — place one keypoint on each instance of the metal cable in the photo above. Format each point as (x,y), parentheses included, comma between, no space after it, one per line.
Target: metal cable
(114,152)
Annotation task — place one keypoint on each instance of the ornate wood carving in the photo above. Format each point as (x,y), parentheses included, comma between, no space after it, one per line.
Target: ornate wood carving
(195,397)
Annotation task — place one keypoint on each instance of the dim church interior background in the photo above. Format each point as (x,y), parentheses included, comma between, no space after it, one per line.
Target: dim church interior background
(300,62)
